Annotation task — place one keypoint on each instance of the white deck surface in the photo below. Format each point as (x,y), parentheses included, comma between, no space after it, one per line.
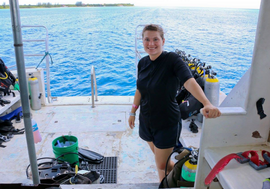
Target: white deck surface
(103,129)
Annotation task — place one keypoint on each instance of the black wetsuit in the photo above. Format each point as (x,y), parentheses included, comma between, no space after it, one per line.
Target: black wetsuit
(158,82)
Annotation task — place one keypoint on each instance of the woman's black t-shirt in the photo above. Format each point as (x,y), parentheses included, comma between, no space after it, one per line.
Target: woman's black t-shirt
(158,82)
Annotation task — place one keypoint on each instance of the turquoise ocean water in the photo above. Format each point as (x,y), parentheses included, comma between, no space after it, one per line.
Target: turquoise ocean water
(105,38)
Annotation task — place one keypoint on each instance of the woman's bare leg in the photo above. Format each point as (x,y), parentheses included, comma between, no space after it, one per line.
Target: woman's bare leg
(161,156)
(151,145)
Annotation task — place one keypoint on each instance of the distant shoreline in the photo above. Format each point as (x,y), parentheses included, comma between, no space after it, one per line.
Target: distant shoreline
(78,4)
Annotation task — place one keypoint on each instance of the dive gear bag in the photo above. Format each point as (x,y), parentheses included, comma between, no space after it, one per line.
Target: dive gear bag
(15,114)
(6,78)
(90,156)
(188,104)
(189,107)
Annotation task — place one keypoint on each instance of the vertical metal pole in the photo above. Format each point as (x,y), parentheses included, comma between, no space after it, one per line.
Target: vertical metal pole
(92,88)
(136,52)
(18,46)
(48,68)
(136,56)
(95,82)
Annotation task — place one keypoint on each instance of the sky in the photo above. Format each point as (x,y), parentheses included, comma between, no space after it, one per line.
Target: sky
(254,4)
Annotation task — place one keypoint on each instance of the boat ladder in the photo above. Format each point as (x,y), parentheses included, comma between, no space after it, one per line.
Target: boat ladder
(46,55)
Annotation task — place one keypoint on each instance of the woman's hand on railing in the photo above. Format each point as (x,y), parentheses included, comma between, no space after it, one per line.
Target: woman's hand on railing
(210,111)
(228,111)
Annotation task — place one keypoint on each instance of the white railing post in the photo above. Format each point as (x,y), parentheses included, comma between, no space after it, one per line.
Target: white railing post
(93,83)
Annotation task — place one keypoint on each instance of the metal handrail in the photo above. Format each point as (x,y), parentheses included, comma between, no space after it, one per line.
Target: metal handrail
(47,58)
(137,51)
(93,82)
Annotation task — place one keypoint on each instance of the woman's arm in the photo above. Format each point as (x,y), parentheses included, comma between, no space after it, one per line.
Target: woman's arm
(136,104)
(209,111)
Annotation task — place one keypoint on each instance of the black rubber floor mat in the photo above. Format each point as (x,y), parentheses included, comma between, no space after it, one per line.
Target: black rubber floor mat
(108,168)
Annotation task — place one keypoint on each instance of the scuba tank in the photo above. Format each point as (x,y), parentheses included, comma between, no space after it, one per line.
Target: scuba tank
(211,88)
(35,95)
(189,168)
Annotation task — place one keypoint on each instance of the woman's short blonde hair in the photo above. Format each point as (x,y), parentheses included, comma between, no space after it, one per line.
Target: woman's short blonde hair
(153,27)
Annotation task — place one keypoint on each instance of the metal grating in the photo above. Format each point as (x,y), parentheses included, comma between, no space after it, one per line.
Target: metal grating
(108,168)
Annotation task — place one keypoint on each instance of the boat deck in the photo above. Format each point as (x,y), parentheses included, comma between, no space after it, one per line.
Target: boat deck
(103,129)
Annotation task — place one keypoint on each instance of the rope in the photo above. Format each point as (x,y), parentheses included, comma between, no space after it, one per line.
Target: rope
(46,53)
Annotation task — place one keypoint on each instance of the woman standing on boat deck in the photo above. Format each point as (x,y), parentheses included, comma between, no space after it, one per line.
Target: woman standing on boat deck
(159,75)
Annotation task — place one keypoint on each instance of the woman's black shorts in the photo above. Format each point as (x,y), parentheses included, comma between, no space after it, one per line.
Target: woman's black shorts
(162,138)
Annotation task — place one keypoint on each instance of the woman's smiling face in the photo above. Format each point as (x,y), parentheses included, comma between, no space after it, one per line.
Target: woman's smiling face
(153,43)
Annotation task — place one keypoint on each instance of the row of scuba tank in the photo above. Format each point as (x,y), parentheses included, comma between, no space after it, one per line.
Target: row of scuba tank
(207,79)
(204,76)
